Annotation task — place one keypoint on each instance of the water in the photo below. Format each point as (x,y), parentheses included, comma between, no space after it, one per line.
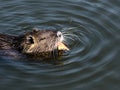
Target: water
(94,60)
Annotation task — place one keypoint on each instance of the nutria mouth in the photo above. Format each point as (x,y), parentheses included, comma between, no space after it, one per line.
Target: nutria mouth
(38,43)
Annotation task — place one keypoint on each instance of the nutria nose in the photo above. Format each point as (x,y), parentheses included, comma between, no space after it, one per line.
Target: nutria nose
(59,34)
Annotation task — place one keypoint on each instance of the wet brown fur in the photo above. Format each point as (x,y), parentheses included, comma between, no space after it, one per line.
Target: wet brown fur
(36,43)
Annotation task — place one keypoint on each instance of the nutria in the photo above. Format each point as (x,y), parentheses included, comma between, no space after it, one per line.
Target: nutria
(35,44)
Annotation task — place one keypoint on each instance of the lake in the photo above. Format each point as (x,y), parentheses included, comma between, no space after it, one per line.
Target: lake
(93,36)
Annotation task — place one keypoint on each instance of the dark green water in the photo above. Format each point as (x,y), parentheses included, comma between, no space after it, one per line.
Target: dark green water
(93,62)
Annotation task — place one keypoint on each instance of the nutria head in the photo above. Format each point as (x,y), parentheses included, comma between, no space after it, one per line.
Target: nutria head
(43,43)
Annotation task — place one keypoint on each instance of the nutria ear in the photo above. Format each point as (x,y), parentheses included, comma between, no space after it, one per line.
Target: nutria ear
(35,30)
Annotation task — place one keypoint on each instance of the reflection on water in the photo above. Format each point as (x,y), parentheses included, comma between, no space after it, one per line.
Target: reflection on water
(92,32)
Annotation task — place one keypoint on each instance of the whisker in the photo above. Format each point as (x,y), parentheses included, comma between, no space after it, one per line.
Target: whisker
(69,38)
(71,28)
(72,35)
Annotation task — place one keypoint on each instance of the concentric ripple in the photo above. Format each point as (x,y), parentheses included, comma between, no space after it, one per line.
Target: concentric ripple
(91,29)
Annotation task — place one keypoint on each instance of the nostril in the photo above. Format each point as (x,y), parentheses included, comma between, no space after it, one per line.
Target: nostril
(59,34)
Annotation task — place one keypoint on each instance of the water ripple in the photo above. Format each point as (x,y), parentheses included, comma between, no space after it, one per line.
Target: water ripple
(94,35)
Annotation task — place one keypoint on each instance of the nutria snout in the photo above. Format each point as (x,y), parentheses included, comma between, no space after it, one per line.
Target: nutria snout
(38,43)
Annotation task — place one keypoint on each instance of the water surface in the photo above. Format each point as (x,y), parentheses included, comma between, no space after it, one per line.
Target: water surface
(93,62)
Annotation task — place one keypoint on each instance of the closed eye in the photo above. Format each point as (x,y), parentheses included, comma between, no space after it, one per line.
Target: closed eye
(43,38)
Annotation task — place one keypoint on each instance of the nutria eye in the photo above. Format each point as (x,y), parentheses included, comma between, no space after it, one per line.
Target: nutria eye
(30,40)
(42,38)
